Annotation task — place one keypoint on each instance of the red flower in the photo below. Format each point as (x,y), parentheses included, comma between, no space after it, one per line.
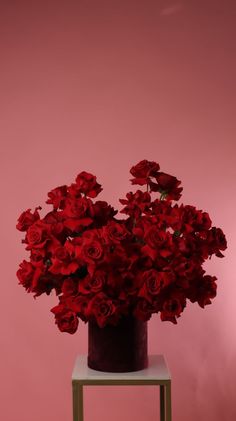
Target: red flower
(64,259)
(143,170)
(26,274)
(130,285)
(167,185)
(92,250)
(172,308)
(69,287)
(216,241)
(101,213)
(27,219)
(193,219)
(101,267)
(87,184)
(76,213)
(66,320)
(153,283)
(57,197)
(35,279)
(78,304)
(158,242)
(103,309)
(136,204)
(115,232)
(92,284)
(143,310)
(37,235)
(202,290)
(54,221)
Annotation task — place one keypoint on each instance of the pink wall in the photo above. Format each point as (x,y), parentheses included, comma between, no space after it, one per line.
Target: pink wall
(98,86)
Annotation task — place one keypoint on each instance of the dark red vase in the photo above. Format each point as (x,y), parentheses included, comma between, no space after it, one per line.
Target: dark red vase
(118,349)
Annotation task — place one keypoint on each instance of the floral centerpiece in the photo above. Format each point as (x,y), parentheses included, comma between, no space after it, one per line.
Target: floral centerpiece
(103,268)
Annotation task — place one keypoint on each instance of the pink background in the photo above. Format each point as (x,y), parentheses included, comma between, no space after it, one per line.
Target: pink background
(98,86)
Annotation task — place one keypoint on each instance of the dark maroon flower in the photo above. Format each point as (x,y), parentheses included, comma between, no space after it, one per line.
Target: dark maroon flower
(69,287)
(173,307)
(167,185)
(216,241)
(202,290)
(101,213)
(143,309)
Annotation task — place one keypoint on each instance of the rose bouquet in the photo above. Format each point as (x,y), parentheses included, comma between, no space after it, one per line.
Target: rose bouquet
(103,268)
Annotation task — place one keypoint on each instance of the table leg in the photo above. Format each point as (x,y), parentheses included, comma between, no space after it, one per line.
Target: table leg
(168,401)
(162,403)
(77,393)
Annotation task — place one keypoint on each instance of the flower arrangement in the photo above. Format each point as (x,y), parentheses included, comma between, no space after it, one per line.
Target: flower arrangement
(103,268)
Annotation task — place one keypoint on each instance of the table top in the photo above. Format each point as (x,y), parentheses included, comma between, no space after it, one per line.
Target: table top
(156,371)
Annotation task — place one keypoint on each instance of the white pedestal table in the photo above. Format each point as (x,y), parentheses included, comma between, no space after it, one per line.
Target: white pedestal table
(157,373)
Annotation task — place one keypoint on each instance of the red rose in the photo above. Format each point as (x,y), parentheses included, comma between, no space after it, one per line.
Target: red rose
(64,259)
(76,207)
(115,232)
(167,185)
(102,309)
(202,290)
(27,219)
(216,241)
(101,213)
(172,308)
(25,274)
(167,215)
(38,256)
(143,310)
(159,243)
(75,213)
(92,284)
(87,184)
(153,283)
(150,285)
(78,304)
(143,170)
(193,219)
(69,287)
(37,235)
(57,197)
(185,270)
(130,285)
(66,320)
(73,191)
(101,267)
(92,251)
(136,203)
(54,221)
(30,276)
